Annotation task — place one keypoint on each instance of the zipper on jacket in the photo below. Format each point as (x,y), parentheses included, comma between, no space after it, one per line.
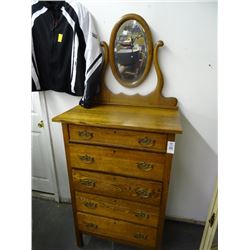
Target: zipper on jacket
(52,59)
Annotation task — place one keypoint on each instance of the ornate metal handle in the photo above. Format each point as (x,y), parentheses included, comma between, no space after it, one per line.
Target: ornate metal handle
(141,214)
(86,135)
(143,192)
(87,158)
(91,226)
(146,142)
(144,166)
(90,204)
(87,182)
(140,236)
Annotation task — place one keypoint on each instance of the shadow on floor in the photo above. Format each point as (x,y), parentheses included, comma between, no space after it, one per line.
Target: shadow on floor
(53,229)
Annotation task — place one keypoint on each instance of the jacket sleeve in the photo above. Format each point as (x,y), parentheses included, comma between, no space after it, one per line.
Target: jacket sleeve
(94,60)
(34,71)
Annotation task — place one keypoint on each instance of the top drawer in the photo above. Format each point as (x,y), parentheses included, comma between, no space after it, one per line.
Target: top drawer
(118,137)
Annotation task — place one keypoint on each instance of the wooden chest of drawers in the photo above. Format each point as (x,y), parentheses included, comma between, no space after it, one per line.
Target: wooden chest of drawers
(119,171)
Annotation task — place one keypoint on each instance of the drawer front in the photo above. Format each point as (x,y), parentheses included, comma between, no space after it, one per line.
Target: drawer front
(116,186)
(118,137)
(133,163)
(142,235)
(117,209)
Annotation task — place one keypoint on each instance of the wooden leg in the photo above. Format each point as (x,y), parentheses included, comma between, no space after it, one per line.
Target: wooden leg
(79,239)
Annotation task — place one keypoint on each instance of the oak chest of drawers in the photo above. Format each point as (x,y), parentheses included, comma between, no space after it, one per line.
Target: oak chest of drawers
(119,170)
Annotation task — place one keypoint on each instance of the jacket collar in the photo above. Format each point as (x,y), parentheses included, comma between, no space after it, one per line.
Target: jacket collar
(53,5)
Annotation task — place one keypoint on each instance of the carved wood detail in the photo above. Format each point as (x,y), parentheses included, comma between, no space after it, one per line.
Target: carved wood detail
(153,99)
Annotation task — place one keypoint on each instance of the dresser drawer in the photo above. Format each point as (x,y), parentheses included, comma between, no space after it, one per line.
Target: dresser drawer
(145,236)
(119,161)
(117,209)
(116,186)
(118,137)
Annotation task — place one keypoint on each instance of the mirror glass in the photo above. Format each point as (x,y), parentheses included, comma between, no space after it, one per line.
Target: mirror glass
(130,51)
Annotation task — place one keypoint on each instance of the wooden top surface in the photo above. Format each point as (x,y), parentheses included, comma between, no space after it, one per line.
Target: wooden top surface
(124,117)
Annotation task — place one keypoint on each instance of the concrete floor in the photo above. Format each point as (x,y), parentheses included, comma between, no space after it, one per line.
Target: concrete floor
(52,229)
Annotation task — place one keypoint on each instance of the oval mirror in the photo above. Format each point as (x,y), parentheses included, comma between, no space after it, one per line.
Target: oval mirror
(130,50)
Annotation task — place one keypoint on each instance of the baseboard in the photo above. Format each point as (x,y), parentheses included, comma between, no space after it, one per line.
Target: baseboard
(186,220)
(65,200)
(47,196)
(41,195)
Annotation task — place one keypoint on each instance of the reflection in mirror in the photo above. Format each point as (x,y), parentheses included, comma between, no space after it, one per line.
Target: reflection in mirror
(130,51)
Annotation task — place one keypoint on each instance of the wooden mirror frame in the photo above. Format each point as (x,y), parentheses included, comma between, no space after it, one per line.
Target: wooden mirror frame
(153,99)
(149,45)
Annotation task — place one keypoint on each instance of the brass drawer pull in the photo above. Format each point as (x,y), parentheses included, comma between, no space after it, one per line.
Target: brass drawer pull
(85,135)
(87,158)
(91,226)
(146,142)
(87,182)
(144,166)
(89,204)
(140,236)
(141,214)
(143,192)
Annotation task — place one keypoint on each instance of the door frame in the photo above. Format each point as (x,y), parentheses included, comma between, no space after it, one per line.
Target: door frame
(210,228)
(47,133)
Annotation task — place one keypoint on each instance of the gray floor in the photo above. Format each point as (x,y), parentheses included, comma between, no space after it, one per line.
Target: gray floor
(52,229)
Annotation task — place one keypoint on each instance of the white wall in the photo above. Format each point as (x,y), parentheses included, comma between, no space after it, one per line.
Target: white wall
(189,64)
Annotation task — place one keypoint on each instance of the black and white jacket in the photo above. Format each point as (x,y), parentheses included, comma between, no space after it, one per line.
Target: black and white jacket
(66,53)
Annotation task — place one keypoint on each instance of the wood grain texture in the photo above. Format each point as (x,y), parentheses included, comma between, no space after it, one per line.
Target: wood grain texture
(146,119)
(138,234)
(118,137)
(102,189)
(78,234)
(118,161)
(118,209)
(118,187)
(164,195)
